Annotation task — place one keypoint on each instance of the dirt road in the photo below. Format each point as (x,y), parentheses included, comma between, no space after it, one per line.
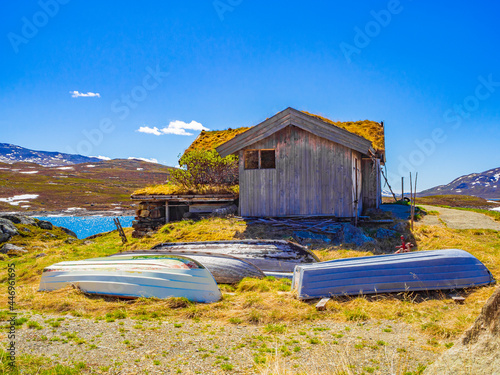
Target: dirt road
(458,219)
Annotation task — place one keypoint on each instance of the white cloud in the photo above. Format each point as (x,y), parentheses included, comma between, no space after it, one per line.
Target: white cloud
(175,127)
(148,130)
(76,94)
(144,159)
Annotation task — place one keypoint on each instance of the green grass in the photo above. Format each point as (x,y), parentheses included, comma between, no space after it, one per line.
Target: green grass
(28,364)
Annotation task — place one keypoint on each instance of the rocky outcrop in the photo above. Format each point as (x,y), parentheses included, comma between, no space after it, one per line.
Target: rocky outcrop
(7,230)
(477,351)
(12,250)
(47,225)
(336,234)
(18,219)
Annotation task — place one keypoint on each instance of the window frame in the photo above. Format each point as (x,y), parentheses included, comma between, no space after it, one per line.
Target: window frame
(259,158)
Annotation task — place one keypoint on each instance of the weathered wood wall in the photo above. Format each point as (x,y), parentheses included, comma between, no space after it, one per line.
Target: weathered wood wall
(372,188)
(313,176)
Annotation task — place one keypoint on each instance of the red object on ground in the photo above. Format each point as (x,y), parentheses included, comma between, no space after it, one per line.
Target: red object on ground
(405,246)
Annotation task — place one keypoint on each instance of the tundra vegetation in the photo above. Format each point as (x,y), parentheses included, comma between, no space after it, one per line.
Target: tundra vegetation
(268,303)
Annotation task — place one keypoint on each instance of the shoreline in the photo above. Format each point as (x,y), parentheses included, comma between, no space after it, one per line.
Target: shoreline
(72,213)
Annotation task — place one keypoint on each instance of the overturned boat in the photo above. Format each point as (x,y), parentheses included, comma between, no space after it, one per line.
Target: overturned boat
(416,271)
(225,269)
(267,255)
(133,276)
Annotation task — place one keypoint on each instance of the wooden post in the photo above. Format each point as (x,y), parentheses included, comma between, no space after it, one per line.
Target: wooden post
(411,203)
(120,230)
(402,188)
(390,188)
(167,213)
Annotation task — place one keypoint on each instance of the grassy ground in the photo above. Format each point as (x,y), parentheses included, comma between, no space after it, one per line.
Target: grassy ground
(99,187)
(253,301)
(465,201)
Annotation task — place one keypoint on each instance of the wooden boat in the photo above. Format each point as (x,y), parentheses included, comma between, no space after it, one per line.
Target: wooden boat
(267,255)
(225,269)
(416,271)
(132,276)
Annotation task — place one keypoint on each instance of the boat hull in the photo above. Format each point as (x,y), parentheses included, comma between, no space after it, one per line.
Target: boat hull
(415,271)
(267,255)
(135,276)
(225,269)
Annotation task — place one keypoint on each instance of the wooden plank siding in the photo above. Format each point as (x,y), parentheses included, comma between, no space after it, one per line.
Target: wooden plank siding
(313,176)
(372,188)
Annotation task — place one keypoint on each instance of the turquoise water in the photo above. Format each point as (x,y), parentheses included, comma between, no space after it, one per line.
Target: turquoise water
(85,226)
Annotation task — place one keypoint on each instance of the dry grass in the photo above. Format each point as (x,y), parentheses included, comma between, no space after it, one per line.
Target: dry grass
(170,189)
(371,130)
(209,140)
(255,301)
(451,200)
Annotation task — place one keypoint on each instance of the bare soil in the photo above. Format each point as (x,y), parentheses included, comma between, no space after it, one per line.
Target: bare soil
(128,346)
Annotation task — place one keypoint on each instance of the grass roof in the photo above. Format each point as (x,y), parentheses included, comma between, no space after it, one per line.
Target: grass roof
(170,189)
(209,140)
(370,130)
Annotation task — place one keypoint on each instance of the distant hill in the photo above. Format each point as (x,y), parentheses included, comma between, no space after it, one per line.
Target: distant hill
(101,185)
(484,185)
(13,154)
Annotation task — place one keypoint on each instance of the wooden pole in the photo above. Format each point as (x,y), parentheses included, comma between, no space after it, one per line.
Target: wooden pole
(415,193)
(402,188)
(167,213)
(411,203)
(390,188)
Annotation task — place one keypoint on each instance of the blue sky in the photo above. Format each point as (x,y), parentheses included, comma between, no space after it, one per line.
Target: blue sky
(429,70)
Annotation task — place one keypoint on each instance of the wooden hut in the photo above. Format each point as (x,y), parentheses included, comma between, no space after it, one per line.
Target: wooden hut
(296,163)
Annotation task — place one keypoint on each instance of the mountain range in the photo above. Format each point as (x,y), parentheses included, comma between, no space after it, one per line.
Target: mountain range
(47,181)
(485,185)
(12,154)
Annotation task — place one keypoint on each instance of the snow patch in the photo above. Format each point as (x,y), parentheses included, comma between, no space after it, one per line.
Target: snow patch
(17,199)
(152,160)
(72,209)
(90,166)
(28,172)
(140,169)
(65,168)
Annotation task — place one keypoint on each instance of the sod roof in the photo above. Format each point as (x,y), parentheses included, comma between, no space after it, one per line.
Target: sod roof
(370,130)
(209,140)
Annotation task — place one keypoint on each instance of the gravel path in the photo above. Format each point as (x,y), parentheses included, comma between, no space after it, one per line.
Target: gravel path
(458,219)
(129,346)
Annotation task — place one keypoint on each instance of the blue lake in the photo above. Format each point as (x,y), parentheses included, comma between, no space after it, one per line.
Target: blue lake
(85,226)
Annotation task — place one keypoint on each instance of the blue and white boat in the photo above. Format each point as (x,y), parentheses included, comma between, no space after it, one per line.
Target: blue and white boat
(414,271)
(133,276)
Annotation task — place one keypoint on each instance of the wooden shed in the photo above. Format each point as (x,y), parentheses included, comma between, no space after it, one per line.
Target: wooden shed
(295,163)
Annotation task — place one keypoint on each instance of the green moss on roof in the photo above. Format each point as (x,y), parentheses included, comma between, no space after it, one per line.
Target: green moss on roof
(209,140)
(370,130)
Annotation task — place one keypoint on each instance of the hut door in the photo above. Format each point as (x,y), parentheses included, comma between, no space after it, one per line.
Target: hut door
(355,185)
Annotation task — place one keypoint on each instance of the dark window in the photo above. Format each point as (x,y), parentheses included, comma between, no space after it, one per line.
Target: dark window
(267,159)
(252,159)
(260,159)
